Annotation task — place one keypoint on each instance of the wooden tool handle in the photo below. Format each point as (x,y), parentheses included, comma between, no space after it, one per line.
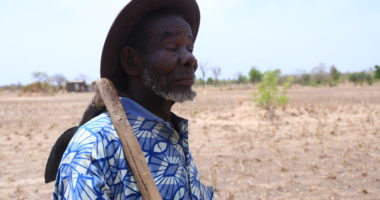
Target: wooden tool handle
(107,95)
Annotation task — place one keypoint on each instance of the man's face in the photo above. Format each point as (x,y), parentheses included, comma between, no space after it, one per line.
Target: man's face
(169,65)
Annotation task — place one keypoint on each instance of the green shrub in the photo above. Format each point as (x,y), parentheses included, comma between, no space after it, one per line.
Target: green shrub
(377,72)
(242,79)
(268,95)
(210,81)
(303,79)
(360,78)
(334,76)
(255,75)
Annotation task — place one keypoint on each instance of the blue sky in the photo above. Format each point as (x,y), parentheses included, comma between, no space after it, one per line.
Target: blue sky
(66,36)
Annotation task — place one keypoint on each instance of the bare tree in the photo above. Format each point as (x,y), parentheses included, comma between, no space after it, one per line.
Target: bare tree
(216,72)
(59,80)
(204,68)
(319,74)
(40,76)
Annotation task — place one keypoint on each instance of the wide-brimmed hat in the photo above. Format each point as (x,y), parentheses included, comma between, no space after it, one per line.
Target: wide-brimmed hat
(121,28)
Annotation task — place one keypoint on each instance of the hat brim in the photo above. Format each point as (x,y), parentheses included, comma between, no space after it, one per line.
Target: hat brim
(119,32)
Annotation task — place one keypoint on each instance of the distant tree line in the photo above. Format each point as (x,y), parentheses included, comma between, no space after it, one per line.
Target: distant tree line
(43,83)
(318,76)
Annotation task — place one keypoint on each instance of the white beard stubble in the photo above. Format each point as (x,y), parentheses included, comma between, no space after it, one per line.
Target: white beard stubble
(151,81)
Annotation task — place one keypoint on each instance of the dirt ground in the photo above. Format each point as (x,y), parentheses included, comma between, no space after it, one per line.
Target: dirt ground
(324,145)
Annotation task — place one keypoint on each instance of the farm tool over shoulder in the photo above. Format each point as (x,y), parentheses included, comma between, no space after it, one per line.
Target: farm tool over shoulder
(106,97)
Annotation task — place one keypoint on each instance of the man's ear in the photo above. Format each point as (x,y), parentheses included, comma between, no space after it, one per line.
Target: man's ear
(130,60)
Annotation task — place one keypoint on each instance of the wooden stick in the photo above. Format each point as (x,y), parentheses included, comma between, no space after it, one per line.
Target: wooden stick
(107,95)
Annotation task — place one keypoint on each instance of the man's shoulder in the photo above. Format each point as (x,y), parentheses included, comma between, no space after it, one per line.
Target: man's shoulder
(98,123)
(91,145)
(88,136)
(99,126)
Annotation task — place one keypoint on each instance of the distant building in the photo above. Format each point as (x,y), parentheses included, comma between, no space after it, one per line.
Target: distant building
(76,86)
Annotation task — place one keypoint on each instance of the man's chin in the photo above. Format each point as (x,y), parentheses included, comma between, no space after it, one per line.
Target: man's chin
(179,96)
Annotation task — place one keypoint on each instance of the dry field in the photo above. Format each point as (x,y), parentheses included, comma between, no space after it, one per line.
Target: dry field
(324,145)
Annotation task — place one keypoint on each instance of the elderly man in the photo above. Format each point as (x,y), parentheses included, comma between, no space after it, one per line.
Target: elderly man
(148,56)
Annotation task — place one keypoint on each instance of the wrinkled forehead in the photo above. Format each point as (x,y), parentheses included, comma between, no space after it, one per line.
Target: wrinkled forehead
(167,25)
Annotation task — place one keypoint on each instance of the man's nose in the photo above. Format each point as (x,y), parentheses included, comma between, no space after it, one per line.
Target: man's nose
(188,60)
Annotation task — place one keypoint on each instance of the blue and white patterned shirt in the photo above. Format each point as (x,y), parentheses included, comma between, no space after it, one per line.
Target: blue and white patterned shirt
(93,165)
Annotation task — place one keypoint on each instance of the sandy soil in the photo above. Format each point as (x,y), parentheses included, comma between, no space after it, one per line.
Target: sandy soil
(324,145)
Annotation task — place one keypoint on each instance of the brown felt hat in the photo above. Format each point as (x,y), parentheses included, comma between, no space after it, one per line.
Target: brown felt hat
(121,28)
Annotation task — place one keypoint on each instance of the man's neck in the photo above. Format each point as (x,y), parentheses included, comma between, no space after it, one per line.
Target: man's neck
(157,106)
(154,103)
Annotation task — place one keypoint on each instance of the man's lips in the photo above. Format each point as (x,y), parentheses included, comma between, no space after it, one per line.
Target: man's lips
(184,81)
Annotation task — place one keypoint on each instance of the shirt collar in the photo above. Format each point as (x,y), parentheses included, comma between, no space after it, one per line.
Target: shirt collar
(132,107)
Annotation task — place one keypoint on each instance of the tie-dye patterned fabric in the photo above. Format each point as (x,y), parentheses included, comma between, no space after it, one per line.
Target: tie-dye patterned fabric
(93,166)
